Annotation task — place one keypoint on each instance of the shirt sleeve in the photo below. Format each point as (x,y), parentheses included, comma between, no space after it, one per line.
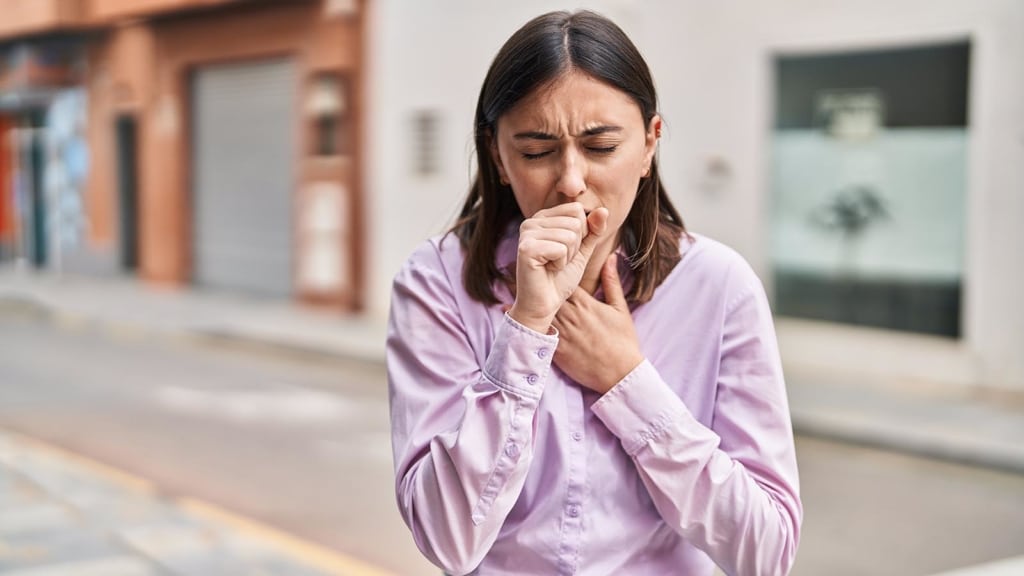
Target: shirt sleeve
(732,490)
(462,428)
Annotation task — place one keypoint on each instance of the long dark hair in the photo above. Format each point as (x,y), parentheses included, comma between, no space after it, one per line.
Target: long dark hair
(543,49)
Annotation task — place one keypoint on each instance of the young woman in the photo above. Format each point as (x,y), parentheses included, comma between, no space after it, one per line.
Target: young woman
(578,385)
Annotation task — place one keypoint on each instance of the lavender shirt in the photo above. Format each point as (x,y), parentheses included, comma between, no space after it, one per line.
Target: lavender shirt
(504,465)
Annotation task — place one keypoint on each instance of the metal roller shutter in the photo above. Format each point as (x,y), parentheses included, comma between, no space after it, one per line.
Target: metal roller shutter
(243,160)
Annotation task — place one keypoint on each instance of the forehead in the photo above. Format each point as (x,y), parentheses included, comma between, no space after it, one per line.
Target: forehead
(573,102)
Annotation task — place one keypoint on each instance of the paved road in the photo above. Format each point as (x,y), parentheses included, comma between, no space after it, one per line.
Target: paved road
(880,513)
(294,442)
(301,443)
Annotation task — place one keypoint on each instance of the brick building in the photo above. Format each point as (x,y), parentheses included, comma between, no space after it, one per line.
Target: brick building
(203,142)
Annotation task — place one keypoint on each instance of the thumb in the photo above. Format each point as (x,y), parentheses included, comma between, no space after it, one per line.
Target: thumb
(612,285)
(597,223)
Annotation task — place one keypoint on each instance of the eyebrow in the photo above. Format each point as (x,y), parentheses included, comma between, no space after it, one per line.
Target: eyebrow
(536,135)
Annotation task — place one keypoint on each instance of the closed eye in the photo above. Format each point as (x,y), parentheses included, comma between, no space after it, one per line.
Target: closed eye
(535,155)
(602,149)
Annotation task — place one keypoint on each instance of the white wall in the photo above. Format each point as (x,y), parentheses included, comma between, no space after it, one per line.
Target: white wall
(429,55)
(712,64)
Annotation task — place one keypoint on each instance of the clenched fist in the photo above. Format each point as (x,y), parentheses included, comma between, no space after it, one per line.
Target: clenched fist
(555,246)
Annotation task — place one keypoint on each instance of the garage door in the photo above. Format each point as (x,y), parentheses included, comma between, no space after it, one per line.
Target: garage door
(243,160)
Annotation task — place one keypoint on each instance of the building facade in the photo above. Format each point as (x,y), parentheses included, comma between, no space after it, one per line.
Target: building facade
(201,142)
(867,158)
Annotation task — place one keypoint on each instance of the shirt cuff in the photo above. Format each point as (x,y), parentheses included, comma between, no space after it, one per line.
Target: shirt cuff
(641,409)
(520,359)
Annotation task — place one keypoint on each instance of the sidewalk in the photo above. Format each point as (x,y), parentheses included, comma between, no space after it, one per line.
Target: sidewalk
(960,425)
(128,304)
(64,515)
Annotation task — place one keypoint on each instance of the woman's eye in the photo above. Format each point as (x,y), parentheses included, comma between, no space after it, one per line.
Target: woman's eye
(602,149)
(535,155)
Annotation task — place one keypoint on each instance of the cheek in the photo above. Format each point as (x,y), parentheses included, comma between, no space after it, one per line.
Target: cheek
(527,198)
(622,195)
(531,189)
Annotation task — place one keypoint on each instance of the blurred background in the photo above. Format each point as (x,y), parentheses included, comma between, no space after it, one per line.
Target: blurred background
(203,202)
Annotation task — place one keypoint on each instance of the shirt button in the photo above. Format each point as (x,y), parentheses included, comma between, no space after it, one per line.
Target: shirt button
(574,511)
(511,450)
(542,353)
(577,436)
(531,379)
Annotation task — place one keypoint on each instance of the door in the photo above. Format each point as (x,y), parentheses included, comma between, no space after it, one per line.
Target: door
(243,158)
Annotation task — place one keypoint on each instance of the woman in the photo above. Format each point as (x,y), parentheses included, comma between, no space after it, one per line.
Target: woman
(578,386)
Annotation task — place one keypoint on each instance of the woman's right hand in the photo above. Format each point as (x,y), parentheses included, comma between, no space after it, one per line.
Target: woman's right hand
(555,246)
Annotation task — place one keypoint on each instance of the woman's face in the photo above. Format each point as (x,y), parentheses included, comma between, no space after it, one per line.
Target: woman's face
(575,140)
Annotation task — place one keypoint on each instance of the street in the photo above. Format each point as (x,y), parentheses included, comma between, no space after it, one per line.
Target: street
(300,442)
(297,443)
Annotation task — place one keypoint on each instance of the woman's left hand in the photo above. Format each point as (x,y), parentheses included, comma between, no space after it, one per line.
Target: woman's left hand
(597,344)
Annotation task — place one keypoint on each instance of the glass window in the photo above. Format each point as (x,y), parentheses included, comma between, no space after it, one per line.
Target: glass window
(868,182)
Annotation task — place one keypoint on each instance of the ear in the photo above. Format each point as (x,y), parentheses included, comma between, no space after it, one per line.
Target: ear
(496,157)
(651,142)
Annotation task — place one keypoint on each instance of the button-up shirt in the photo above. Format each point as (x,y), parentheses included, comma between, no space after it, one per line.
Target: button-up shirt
(505,465)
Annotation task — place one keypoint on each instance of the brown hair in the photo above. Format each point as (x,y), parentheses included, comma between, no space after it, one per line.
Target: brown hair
(539,52)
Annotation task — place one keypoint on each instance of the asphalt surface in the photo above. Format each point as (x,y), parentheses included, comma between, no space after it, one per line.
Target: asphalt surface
(298,442)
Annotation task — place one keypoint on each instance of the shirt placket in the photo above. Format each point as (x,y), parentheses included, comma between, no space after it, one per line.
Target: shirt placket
(572,508)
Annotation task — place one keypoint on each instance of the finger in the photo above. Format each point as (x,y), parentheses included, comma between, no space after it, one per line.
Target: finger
(582,299)
(612,284)
(597,222)
(577,225)
(538,238)
(576,308)
(567,311)
(565,229)
(563,334)
(573,209)
(560,235)
(569,210)
(541,253)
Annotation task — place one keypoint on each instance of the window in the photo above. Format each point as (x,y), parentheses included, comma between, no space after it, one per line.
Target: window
(327,108)
(869,183)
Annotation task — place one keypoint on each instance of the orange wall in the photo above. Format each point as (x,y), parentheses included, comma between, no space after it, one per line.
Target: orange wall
(18,17)
(23,17)
(107,9)
(267,30)
(144,69)
(121,82)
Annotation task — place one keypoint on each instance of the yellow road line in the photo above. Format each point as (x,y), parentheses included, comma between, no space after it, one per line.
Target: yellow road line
(124,479)
(314,555)
(317,556)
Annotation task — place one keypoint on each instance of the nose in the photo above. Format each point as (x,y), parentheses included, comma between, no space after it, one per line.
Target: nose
(572,179)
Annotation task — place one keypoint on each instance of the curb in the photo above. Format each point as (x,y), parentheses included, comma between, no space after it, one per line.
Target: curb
(875,435)
(28,306)
(1005,567)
